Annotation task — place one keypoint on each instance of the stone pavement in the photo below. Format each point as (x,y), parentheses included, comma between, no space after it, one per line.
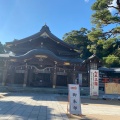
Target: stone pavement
(95,109)
(31,106)
(38,106)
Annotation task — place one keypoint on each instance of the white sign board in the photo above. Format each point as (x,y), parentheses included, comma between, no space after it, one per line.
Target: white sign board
(80,79)
(94,82)
(74,99)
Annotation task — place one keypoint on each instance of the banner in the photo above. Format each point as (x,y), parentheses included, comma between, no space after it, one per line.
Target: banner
(94,82)
(80,79)
(74,99)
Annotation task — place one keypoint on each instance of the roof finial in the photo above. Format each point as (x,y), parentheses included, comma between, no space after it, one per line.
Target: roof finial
(45,24)
(45,28)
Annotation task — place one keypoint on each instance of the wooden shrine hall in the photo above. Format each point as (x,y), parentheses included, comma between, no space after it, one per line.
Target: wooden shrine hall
(40,60)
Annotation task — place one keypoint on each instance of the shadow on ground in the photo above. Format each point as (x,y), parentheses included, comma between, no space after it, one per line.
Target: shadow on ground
(14,109)
(87,101)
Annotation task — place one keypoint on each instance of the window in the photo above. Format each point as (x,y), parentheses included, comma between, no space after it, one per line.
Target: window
(93,66)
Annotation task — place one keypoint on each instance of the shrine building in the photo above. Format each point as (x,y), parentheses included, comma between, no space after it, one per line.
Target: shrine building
(43,60)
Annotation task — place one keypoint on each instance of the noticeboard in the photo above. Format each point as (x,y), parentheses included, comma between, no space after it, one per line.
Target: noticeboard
(112,88)
(74,99)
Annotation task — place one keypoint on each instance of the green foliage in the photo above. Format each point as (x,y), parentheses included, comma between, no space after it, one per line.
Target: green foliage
(105,36)
(94,35)
(109,43)
(112,60)
(101,4)
(79,39)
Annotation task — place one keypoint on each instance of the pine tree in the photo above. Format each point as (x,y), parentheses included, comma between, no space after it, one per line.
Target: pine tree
(105,36)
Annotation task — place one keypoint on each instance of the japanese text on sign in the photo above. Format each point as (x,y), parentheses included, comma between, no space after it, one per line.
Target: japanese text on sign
(74,99)
(94,82)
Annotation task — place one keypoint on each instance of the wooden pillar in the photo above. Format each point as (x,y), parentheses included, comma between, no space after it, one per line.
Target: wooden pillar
(4,77)
(5,70)
(25,76)
(30,76)
(12,75)
(4,73)
(74,76)
(88,73)
(54,75)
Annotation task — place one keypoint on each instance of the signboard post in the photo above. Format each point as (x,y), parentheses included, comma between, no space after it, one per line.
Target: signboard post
(74,99)
(94,83)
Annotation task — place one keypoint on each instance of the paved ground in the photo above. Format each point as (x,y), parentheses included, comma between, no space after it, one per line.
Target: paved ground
(31,106)
(95,109)
(34,106)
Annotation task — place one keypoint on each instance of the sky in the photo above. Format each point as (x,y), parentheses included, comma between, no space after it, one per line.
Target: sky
(22,18)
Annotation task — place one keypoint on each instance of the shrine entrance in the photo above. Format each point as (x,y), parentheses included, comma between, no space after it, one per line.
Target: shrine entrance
(19,78)
(41,80)
(61,80)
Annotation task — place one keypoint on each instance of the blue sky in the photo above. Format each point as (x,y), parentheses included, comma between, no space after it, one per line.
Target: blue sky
(22,18)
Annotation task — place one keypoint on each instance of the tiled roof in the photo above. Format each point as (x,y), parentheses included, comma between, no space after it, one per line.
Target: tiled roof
(44,30)
(47,52)
(109,69)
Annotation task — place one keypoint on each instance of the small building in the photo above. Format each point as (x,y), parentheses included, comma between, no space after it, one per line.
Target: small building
(109,75)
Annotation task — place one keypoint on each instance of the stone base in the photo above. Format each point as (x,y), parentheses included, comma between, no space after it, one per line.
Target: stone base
(53,86)
(24,85)
(94,97)
(3,84)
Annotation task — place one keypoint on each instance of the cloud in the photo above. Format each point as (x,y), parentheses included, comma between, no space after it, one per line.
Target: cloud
(113,4)
(86,0)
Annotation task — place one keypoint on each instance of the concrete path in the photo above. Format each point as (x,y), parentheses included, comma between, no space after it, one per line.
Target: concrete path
(31,106)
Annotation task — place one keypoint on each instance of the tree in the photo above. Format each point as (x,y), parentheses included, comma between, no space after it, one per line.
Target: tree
(105,36)
(79,39)
(1,48)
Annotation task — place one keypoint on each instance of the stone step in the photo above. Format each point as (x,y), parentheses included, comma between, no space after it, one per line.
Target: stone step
(84,91)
